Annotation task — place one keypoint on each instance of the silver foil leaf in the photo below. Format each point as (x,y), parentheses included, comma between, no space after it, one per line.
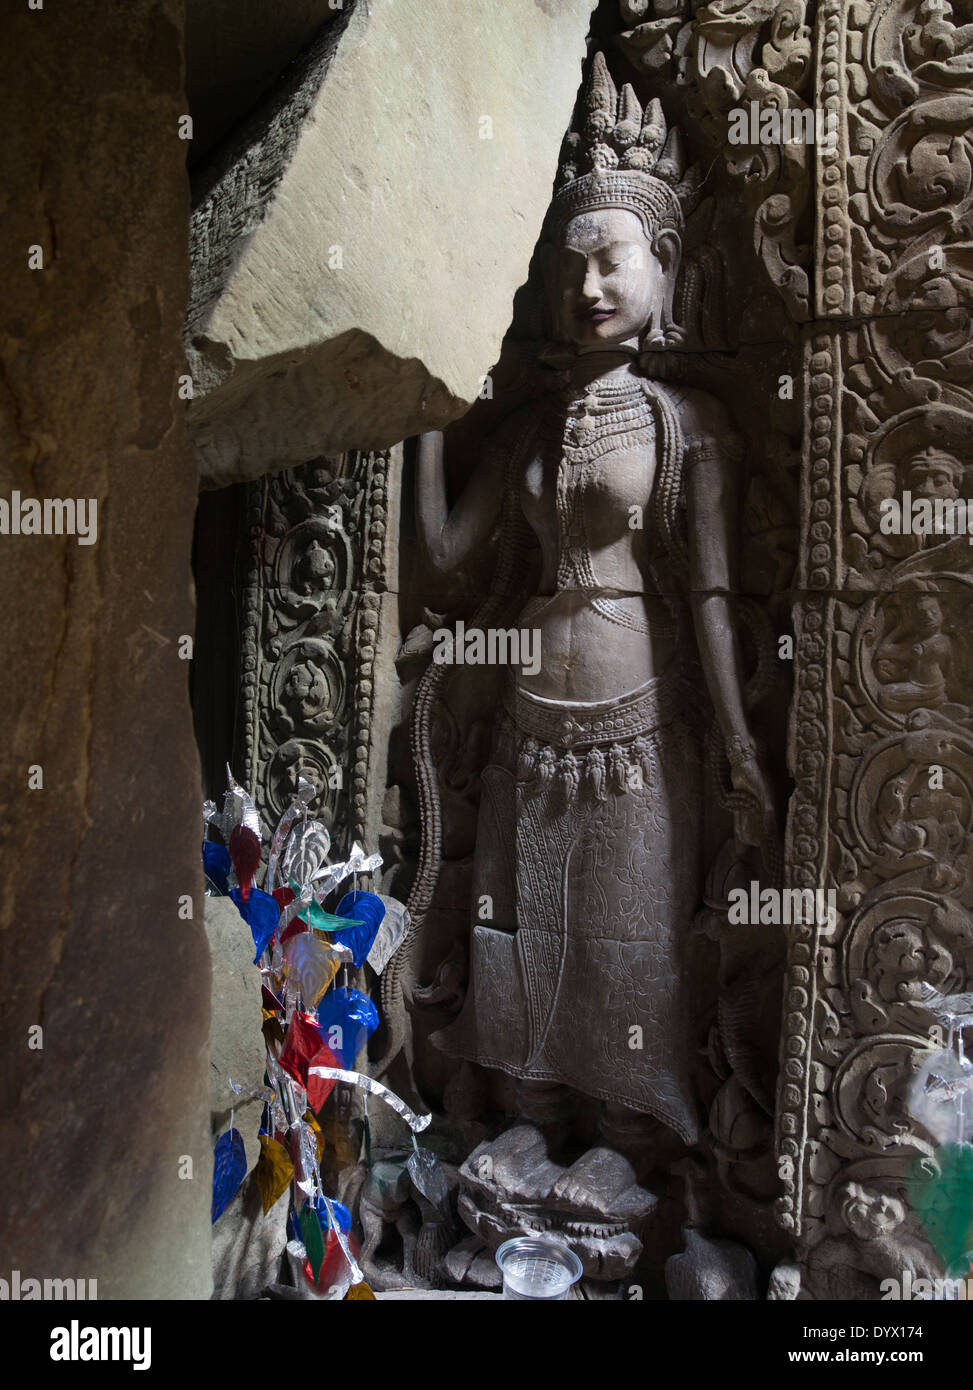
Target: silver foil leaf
(305,795)
(305,852)
(427,1174)
(391,933)
(416,1123)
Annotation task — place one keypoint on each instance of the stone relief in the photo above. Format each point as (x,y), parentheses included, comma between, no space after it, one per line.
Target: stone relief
(870,280)
(590,799)
(880,745)
(317,569)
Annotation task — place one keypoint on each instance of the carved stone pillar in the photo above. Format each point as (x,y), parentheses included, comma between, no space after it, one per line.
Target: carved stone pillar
(882,750)
(317,637)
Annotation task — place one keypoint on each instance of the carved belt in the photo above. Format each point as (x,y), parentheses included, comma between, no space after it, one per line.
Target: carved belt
(577,724)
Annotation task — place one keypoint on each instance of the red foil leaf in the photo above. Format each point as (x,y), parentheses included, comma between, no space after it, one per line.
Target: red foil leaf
(244,850)
(304,1047)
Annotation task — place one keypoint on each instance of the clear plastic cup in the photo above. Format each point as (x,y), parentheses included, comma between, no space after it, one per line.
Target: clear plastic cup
(534,1267)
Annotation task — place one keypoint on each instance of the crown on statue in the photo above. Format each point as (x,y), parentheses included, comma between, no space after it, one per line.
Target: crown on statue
(624,157)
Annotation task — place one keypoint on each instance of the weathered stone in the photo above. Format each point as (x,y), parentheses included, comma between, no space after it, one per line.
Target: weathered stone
(335,249)
(236,1046)
(711,1270)
(248,1245)
(98,1127)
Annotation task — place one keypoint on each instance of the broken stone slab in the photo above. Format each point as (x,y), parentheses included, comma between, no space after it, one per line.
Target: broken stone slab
(356,252)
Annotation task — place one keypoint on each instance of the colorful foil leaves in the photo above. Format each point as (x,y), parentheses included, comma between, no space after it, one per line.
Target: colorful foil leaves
(315,916)
(229,1170)
(391,933)
(940,1191)
(244,849)
(330,1258)
(217,865)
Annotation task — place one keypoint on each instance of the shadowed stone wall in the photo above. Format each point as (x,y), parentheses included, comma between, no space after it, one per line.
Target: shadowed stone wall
(95,1122)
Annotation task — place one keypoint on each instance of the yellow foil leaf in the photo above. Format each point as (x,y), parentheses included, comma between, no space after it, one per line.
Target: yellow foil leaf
(359,1291)
(273,1172)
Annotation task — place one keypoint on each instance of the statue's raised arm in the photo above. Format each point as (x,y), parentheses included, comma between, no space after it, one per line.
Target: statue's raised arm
(449,536)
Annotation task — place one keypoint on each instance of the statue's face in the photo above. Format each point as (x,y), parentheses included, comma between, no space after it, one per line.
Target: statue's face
(608,279)
(933,477)
(870,1214)
(929,612)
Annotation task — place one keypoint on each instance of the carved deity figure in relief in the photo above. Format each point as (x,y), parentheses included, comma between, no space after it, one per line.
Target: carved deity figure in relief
(914,659)
(588,847)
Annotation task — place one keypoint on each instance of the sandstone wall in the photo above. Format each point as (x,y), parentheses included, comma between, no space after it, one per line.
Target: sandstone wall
(94,1124)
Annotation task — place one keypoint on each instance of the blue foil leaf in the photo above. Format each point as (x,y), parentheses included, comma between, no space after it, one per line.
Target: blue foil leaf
(216,865)
(261,914)
(347,1019)
(342,1215)
(369,909)
(229,1170)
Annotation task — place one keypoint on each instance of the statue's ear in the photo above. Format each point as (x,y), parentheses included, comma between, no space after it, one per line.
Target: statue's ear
(667,248)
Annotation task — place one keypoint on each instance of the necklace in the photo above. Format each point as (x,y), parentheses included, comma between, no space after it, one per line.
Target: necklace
(599,415)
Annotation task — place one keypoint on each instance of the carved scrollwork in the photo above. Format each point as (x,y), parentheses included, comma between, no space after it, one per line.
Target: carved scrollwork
(905,655)
(869,1094)
(896,945)
(907,823)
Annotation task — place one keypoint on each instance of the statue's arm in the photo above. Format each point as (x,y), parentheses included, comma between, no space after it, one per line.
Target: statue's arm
(712,501)
(451,535)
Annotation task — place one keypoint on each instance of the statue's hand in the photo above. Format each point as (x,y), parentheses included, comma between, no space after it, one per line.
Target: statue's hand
(756,821)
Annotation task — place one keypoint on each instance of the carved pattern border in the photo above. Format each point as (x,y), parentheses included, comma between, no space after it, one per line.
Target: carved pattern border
(312,612)
(882,688)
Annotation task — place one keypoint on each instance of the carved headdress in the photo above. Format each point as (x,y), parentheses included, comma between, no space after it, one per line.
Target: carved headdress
(623,157)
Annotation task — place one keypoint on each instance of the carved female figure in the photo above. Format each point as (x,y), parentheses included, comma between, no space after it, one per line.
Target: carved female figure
(588,840)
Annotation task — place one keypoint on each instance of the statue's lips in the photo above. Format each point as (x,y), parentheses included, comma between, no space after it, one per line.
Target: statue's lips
(594,315)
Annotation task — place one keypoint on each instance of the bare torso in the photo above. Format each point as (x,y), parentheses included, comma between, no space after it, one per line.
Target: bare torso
(604,629)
